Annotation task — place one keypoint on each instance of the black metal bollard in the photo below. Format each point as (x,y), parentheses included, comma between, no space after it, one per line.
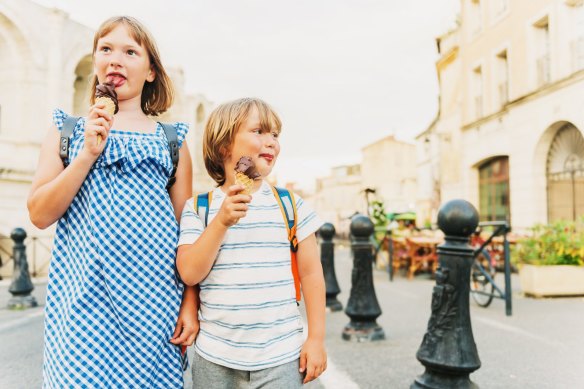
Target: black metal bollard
(448,350)
(327,259)
(21,285)
(362,308)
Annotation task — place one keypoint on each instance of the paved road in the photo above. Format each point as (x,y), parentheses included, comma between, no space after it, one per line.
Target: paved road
(540,346)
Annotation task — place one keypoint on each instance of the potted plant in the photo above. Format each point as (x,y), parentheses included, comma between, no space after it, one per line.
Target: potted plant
(551,259)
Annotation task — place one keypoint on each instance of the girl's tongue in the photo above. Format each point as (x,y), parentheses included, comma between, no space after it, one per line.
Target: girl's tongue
(117,80)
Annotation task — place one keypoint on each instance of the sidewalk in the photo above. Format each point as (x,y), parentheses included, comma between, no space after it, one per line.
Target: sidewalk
(540,346)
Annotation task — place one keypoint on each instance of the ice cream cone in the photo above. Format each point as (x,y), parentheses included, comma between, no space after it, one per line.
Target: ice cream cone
(242,179)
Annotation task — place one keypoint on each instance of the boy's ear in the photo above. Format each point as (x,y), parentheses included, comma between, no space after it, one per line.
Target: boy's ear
(225,152)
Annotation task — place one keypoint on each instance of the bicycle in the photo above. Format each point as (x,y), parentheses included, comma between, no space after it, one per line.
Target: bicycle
(482,279)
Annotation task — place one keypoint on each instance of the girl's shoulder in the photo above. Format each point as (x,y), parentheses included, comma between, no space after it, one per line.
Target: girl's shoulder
(181,129)
(60,116)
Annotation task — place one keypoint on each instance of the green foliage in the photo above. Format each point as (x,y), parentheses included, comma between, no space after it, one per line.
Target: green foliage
(379,219)
(560,243)
(378,215)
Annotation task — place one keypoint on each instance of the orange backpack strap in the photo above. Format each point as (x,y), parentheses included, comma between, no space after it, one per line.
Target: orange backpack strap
(287,203)
(202,206)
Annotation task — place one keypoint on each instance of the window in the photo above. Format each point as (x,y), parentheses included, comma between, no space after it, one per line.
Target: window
(477,85)
(577,45)
(503,78)
(494,189)
(542,44)
(501,6)
(475,17)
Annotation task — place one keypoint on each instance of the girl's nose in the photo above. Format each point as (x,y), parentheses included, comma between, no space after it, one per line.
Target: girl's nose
(115,60)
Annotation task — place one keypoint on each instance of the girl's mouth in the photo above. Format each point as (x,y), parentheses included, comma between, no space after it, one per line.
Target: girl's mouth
(117,79)
(267,157)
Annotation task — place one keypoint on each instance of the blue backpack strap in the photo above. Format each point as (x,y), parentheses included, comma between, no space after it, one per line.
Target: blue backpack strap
(202,206)
(172,138)
(65,141)
(288,205)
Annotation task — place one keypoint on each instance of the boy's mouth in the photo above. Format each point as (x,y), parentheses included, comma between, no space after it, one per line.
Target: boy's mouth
(267,157)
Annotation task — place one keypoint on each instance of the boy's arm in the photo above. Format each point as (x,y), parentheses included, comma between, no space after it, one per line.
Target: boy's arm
(313,355)
(194,261)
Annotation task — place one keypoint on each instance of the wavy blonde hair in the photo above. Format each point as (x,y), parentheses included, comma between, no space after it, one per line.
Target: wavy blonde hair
(158,95)
(222,126)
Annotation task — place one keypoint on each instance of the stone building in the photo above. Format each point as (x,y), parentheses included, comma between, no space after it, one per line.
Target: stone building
(338,196)
(509,133)
(45,62)
(389,168)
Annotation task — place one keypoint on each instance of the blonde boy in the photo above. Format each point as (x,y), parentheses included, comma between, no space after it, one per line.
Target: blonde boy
(251,333)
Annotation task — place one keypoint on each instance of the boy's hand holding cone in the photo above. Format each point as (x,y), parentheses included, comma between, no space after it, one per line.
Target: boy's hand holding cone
(245,174)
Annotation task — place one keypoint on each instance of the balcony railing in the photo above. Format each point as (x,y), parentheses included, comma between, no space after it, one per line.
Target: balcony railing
(503,93)
(478,100)
(543,70)
(577,50)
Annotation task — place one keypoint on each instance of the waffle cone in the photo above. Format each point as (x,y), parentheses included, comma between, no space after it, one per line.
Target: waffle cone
(242,179)
(110,106)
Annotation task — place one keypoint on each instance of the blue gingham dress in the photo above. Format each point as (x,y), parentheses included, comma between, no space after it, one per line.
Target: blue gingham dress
(113,296)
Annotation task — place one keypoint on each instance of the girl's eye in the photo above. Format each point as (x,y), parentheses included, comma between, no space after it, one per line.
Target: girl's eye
(105,49)
(132,52)
(275,134)
(257,131)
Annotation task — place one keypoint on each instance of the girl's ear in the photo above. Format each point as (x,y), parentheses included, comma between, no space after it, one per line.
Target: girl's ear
(151,75)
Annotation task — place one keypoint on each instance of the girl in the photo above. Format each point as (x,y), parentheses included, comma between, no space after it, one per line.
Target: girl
(113,298)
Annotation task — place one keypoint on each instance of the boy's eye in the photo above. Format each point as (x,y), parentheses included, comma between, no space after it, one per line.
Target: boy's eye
(275,134)
(104,49)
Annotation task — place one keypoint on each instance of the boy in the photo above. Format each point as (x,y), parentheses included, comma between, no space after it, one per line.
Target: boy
(250,331)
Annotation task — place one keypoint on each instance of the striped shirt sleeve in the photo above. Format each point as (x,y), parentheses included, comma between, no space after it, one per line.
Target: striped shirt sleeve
(191,226)
(308,221)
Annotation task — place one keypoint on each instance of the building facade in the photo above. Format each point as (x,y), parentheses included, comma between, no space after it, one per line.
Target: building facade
(339,196)
(45,63)
(389,168)
(509,132)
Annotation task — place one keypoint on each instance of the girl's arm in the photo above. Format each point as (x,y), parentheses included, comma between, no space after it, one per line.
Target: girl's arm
(187,325)
(194,261)
(313,354)
(182,190)
(53,186)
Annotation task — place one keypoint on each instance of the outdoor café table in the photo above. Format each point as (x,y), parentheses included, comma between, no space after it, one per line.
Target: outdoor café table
(400,253)
(422,253)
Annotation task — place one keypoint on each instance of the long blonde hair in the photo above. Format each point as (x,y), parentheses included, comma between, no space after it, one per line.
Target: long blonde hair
(222,126)
(157,96)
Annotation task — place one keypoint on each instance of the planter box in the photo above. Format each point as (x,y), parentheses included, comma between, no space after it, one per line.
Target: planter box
(557,280)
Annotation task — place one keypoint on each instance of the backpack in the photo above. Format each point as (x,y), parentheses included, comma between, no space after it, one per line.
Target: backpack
(287,204)
(169,131)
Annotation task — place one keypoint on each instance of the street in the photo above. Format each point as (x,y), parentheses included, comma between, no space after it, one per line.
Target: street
(540,346)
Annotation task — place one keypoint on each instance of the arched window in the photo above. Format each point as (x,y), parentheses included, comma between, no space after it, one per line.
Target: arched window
(83,73)
(494,189)
(565,175)
(200,114)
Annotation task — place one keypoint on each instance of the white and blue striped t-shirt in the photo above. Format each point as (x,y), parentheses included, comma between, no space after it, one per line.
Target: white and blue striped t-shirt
(248,312)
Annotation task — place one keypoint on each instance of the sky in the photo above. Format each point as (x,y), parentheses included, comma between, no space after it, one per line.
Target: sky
(342,74)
